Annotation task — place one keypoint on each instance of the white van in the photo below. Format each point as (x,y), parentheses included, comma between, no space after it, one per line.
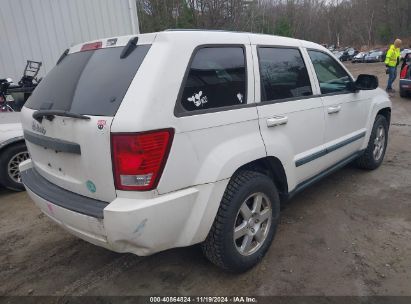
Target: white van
(144,143)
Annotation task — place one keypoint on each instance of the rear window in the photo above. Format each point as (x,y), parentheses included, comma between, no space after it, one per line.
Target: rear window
(283,74)
(216,79)
(90,82)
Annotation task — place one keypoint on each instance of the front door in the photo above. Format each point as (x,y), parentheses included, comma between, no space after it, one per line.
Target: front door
(345,111)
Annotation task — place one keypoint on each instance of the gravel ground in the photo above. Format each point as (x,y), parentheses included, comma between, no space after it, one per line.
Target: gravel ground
(347,235)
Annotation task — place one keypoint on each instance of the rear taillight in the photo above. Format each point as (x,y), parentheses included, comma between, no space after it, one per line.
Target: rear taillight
(139,158)
(404,72)
(91,46)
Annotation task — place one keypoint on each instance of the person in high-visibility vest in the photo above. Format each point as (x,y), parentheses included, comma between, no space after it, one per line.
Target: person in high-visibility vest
(392,60)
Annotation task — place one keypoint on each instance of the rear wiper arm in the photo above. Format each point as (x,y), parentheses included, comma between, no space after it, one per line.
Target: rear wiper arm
(51,114)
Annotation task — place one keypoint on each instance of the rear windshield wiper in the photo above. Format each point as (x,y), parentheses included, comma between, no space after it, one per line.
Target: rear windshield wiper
(51,114)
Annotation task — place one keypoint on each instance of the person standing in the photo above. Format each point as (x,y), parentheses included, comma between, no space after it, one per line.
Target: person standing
(392,60)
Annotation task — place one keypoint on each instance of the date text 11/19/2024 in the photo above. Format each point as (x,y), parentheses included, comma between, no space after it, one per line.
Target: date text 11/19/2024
(204,299)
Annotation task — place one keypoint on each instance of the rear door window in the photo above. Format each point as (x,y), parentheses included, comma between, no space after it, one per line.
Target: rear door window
(283,74)
(216,79)
(90,82)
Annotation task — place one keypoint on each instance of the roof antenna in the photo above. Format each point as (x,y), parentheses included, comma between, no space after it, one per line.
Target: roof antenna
(129,48)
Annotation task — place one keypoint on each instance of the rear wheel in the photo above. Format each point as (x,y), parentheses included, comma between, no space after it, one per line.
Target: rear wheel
(10,159)
(245,224)
(374,154)
(403,93)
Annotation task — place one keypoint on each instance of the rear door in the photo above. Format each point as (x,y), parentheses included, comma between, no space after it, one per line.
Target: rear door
(291,116)
(75,153)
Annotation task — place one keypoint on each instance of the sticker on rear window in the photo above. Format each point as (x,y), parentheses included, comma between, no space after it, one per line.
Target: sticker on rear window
(240,97)
(197,99)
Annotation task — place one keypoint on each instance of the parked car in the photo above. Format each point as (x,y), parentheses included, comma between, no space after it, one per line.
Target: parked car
(348,54)
(13,151)
(338,54)
(405,52)
(405,76)
(377,56)
(184,138)
(359,58)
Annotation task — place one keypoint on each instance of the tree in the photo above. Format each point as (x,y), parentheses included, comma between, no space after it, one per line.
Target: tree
(283,27)
(349,22)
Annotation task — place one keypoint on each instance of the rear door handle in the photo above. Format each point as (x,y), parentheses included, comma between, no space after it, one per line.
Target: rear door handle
(277,121)
(334,109)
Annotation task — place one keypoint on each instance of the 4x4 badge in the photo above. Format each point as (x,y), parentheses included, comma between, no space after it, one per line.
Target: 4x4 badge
(101,123)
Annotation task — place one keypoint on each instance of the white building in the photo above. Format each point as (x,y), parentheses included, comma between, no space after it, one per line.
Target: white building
(41,30)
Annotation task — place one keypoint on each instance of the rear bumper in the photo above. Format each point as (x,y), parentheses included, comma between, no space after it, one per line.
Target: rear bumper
(140,226)
(63,198)
(405,84)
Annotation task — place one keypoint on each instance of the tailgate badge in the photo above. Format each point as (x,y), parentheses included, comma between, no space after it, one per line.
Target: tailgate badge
(101,124)
(35,126)
(90,186)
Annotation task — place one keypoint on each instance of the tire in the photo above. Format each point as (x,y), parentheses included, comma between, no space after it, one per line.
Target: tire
(403,94)
(372,159)
(243,190)
(15,153)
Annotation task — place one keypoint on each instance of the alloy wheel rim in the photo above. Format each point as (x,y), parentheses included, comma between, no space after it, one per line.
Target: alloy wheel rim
(379,143)
(252,224)
(13,166)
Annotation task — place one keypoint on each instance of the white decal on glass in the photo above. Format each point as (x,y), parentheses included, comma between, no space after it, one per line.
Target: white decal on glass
(240,97)
(197,99)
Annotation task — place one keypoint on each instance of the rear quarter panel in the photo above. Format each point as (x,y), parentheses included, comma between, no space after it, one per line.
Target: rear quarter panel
(207,147)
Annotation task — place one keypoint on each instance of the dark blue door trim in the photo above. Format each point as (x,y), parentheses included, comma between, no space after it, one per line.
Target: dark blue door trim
(300,187)
(314,156)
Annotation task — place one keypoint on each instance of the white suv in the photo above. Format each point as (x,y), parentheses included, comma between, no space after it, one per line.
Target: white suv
(162,140)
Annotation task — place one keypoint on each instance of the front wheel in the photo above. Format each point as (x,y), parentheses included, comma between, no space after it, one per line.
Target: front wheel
(374,153)
(245,224)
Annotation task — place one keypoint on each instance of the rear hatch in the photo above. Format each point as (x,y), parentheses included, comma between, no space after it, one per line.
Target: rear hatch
(71,149)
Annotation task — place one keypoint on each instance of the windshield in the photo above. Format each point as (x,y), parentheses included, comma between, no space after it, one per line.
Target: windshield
(89,82)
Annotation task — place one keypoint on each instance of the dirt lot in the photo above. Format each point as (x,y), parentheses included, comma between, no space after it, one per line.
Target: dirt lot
(348,235)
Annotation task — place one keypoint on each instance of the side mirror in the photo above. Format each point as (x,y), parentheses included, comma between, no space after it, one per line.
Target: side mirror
(352,87)
(366,82)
